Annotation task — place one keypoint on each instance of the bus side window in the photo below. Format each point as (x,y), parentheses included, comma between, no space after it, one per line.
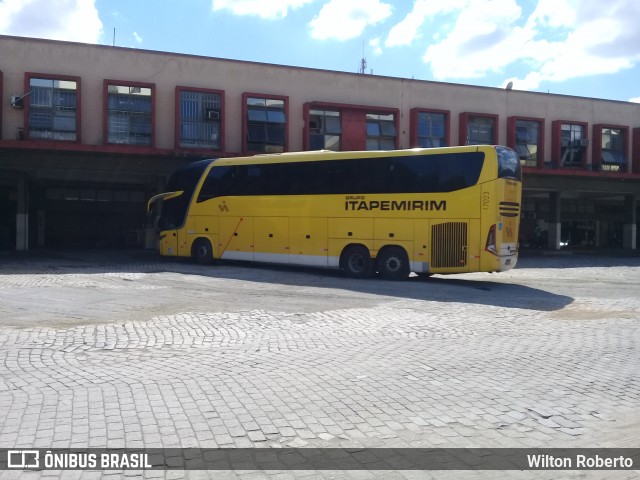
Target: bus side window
(336,177)
(428,173)
(403,174)
(251,180)
(216,184)
(372,175)
(300,178)
(458,171)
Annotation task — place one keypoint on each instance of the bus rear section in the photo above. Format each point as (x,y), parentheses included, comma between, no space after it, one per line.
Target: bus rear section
(502,215)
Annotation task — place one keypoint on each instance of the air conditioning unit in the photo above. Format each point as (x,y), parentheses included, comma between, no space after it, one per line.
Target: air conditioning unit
(17,101)
(212,115)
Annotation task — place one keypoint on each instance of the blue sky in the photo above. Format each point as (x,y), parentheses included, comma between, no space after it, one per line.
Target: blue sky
(576,47)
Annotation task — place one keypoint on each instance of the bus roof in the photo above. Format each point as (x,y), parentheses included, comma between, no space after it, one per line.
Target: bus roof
(318,155)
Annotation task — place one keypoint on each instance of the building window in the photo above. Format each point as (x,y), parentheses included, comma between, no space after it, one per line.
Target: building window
(381,131)
(325,130)
(480,130)
(340,126)
(527,142)
(614,157)
(432,129)
(200,119)
(52,109)
(129,114)
(266,124)
(573,145)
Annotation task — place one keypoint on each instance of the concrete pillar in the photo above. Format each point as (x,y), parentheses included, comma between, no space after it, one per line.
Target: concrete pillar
(22,215)
(629,232)
(42,228)
(151,241)
(555,226)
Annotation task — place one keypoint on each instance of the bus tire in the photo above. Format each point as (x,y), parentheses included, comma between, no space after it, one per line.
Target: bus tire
(393,263)
(356,262)
(202,252)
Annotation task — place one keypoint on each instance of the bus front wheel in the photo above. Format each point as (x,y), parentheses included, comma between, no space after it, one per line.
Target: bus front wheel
(356,262)
(393,263)
(202,252)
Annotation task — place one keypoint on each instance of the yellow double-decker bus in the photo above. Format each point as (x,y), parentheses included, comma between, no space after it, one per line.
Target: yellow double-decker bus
(436,210)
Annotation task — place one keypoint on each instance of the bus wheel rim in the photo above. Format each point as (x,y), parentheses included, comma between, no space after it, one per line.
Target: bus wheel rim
(356,263)
(393,264)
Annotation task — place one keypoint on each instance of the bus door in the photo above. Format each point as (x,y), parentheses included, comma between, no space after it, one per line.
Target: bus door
(449,245)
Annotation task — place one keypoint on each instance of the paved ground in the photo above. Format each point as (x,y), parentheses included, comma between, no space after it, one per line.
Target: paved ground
(128,349)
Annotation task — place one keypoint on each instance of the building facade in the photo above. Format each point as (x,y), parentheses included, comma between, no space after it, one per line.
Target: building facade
(88,133)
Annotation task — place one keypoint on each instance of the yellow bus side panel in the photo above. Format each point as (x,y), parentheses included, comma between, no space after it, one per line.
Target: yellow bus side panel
(392,229)
(206,225)
(308,236)
(351,228)
(309,243)
(235,239)
(474,247)
(271,235)
(421,243)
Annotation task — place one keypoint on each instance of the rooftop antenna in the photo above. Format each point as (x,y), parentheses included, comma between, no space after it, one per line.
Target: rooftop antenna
(114,37)
(363,62)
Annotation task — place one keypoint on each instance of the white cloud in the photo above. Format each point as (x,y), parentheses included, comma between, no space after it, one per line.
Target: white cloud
(71,20)
(635,100)
(555,13)
(481,40)
(375,45)
(560,40)
(137,38)
(408,30)
(268,9)
(346,19)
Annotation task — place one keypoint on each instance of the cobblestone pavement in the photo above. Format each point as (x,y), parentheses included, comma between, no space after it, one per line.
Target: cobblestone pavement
(129,349)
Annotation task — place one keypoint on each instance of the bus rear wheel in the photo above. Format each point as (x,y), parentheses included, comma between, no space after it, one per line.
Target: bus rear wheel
(202,252)
(356,262)
(393,263)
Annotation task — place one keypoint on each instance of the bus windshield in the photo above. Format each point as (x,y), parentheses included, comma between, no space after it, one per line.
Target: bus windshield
(508,164)
(174,209)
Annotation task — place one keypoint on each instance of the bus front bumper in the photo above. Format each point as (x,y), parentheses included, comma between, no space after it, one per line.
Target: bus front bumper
(507,262)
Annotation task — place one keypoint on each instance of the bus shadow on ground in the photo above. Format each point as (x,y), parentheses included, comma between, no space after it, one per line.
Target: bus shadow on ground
(439,288)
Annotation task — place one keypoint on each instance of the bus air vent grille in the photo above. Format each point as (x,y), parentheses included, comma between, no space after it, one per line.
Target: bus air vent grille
(509,209)
(449,245)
